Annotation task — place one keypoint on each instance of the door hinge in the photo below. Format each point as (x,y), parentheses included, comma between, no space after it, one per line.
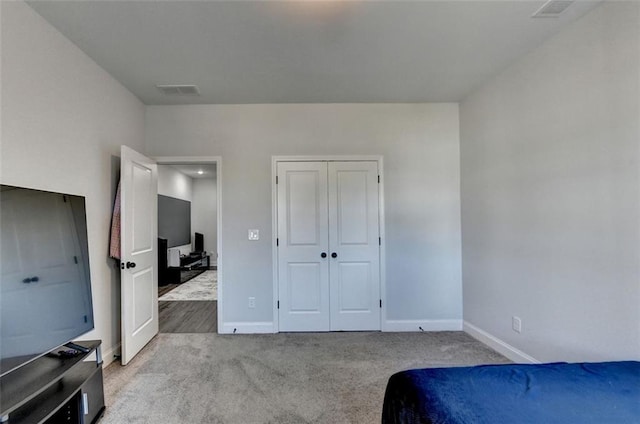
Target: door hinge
(75,259)
(378,179)
(64,198)
(277,242)
(278,304)
(276,179)
(379,241)
(381,303)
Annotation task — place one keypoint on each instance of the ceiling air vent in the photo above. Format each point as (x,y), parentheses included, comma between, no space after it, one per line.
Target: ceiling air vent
(179,90)
(552,9)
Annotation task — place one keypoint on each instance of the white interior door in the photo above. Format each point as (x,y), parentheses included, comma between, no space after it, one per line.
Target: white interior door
(328,246)
(303,281)
(354,245)
(139,243)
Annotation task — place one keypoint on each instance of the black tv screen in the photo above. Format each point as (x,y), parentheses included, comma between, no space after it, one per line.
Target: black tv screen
(174,220)
(45,283)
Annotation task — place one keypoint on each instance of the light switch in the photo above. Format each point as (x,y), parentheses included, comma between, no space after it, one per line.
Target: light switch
(254,235)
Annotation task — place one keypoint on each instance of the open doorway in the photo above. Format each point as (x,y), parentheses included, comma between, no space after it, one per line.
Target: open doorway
(188,245)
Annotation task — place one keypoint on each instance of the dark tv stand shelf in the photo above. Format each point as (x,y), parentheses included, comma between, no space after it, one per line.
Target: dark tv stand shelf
(52,390)
(193,260)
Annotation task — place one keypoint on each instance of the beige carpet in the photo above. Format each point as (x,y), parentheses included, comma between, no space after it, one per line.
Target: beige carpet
(283,378)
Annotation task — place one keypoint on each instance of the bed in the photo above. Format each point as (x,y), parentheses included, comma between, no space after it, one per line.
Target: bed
(605,392)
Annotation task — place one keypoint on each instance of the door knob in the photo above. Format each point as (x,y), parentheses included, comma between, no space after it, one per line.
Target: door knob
(31,280)
(323,255)
(334,255)
(131,265)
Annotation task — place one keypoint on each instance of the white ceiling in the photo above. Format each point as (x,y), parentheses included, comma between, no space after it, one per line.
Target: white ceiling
(191,170)
(304,51)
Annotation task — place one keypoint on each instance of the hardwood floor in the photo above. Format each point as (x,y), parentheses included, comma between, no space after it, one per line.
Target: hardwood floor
(197,316)
(186,316)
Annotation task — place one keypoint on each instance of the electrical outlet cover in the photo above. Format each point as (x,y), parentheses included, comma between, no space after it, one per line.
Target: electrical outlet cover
(516,324)
(254,235)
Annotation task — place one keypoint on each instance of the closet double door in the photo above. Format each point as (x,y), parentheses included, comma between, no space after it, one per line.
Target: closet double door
(328,246)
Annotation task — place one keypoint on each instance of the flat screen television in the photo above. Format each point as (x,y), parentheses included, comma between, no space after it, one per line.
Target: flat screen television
(174,220)
(45,283)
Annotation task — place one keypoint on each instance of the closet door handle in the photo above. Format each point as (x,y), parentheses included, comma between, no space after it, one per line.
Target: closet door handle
(131,265)
(323,255)
(334,255)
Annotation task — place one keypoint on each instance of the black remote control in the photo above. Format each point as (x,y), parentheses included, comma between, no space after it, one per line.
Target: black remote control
(72,345)
(71,353)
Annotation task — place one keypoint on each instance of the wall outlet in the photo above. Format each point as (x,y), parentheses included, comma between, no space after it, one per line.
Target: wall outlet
(252,302)
(254,235)
(516,324)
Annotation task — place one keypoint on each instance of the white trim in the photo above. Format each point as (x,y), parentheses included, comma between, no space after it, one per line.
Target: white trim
(274,238)
(383,248)
(327,158)
(166,160)
(409,325)
(381,222)
(247,328)
(108,356)
(498,345)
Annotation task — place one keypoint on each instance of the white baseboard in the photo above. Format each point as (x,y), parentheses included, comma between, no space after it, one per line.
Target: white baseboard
(389,326)
(108,355)
(426,325)
(498,345)
(247,327)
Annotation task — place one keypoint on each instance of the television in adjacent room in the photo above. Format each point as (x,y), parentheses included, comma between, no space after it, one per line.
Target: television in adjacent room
(45,283)
(174,220)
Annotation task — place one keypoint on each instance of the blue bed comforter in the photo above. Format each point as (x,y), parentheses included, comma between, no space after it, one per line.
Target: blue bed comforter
(607,392)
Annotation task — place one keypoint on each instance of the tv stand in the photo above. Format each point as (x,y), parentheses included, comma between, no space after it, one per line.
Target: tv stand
(194,260)
(55,389)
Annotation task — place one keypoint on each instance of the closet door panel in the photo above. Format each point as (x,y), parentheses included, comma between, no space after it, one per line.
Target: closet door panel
(353,237)
(303,274)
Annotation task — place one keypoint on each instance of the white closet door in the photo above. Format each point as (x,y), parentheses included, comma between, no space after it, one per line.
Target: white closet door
(353,240)
(303,237)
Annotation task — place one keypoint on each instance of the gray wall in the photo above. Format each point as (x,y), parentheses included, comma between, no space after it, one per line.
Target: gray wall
(550,209)
(204,214)
(420,145)
(174,183)
(63,121)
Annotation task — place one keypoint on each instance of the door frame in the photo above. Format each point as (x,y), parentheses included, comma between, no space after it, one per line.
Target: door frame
(173,160)
(274,223)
